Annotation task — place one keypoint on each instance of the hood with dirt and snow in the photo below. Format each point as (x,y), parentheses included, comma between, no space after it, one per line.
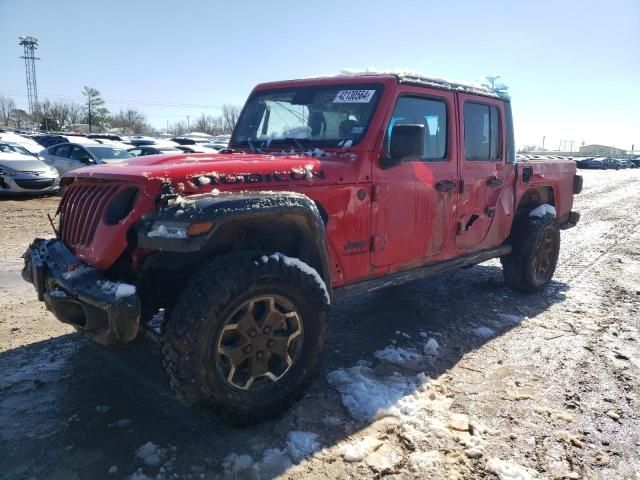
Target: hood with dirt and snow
(199,173)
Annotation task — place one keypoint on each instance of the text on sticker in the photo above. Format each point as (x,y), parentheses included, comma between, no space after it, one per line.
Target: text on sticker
(354,96)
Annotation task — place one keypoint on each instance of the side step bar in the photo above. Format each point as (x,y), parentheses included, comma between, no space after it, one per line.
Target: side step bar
(399,278)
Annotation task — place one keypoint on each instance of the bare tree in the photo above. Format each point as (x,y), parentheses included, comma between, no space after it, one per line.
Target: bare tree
(230,114)
(75,113)
(19,117)
(204,123)
(178,128)
(129,120)
(7,105)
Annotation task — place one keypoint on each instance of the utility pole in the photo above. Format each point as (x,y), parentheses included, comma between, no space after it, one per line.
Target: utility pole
(30,44)
(188,127)
(543,138)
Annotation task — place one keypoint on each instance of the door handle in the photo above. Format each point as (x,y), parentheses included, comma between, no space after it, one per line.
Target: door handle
(446,185)
(494,182)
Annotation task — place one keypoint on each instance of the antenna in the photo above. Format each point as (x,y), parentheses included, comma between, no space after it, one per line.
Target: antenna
(30,45)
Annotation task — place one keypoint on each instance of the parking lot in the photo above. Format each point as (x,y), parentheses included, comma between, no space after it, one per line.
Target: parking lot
(520,386)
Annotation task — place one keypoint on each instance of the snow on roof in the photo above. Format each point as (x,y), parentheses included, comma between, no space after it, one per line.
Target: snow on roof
(488,85)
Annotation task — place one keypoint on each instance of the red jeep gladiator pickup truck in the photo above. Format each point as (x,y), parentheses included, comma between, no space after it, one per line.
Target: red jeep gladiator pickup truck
(330,187)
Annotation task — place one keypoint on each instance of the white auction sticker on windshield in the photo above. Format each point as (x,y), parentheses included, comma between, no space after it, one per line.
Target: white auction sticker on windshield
(354,96)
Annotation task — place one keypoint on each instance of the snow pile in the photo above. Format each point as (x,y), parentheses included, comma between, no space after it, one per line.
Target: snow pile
(424,462)
(234,464)
(302,444)
(78,272)
(367,397)
(506,470)
(398,356)
(298,446)
(274,462)
(542,210)
(509,318)
(300,265)
(150,454)
(484,332)
(358,450)
(431,347)
(164,232)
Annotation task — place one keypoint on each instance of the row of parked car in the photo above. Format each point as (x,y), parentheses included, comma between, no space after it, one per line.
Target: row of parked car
(32,164)
(606,163)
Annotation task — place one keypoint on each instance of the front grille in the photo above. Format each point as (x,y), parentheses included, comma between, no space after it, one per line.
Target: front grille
(36,184)
(82,208)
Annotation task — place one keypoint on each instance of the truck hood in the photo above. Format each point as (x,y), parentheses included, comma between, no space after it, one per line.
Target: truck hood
(201,173)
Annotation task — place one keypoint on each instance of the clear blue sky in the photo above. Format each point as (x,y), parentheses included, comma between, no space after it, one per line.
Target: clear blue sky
(573,67)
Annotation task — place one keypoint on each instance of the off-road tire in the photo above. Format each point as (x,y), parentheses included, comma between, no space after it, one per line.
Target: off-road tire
(203,308)
(519,267)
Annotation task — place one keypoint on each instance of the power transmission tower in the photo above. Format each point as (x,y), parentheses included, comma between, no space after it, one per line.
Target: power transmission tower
(30,45)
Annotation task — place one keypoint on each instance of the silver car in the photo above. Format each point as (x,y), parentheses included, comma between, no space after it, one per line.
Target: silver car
(25,174)
(69,156)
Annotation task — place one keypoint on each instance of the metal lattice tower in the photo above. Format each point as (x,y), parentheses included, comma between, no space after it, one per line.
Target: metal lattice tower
(30,45)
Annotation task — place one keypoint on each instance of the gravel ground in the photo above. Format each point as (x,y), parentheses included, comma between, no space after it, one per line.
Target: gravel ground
(519,386)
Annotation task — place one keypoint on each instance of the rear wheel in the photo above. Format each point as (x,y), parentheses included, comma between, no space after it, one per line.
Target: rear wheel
(246,335)
(535,243)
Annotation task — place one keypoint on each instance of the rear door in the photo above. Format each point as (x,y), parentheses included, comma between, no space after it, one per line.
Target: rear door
(60,157)
(413,203)
(487,181)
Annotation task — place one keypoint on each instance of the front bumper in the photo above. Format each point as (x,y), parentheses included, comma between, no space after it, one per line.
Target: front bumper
(28,184)
(81,295)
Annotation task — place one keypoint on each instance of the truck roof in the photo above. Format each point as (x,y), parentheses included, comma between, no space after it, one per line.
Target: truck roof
(411,78)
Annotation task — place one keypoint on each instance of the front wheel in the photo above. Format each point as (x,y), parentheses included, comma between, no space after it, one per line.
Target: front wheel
(535,243)
(246,335)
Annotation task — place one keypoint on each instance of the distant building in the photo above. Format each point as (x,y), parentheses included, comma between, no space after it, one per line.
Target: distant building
(601,151)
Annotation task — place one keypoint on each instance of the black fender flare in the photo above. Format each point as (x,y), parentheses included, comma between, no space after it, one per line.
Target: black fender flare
(232,209)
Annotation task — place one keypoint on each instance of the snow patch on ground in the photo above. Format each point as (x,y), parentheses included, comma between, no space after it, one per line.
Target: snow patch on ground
(150,454)
(302,444)
(484,332)
(424,462)
(358,450)
(506,470)
(510,318)
(542,210)
(234,464)
(431,347)
(367,397)
(273,463)
(398,356)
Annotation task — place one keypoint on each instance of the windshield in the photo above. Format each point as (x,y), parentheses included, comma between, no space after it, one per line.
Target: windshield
(328,116)
(105,153)
(12,148)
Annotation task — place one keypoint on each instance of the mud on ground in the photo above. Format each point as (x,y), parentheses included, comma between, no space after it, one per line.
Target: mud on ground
(520,386)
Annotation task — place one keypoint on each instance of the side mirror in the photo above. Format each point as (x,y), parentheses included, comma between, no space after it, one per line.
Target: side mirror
(86,159)
(407,141)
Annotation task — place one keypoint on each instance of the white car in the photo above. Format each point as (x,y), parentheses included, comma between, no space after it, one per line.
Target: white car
(32,146)
(69,156)
(24,174)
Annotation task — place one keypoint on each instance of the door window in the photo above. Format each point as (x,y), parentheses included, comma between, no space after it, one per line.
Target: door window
(62,151)
(481,132)
(423,111)
(78,153)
